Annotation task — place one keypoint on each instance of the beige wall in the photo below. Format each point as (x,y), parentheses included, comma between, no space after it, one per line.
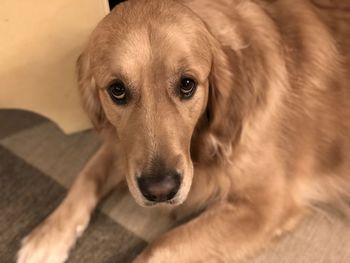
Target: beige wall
(40,41)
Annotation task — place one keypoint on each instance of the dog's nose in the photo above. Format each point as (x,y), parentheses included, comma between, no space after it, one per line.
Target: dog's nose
(160,188)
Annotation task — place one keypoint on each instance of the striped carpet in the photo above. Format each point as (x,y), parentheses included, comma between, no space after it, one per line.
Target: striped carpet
(38,163)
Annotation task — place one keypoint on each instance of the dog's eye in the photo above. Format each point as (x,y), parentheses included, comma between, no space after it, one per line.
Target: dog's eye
(118,92)
(187,87)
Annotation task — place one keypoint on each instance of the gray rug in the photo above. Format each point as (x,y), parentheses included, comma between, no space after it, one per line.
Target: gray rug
(28,196)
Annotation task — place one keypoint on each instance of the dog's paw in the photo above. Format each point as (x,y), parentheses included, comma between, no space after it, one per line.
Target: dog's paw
(48,243)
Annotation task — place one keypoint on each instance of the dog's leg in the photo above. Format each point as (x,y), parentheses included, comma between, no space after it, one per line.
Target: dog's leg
(51,241)
(225,232)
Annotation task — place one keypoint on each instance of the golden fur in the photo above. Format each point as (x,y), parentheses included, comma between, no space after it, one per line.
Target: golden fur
(264,139)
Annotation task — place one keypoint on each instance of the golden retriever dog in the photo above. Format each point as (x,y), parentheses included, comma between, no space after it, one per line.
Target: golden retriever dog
(234,111)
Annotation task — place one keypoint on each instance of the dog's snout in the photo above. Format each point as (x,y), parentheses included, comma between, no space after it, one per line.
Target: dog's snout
(160,188)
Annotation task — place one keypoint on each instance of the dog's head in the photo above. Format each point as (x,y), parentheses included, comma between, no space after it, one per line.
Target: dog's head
(152,73)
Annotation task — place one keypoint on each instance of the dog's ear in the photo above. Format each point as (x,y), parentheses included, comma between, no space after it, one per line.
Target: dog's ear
(89,92)
(225,103)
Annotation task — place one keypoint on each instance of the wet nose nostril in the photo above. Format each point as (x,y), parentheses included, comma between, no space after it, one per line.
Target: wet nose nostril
(160,188)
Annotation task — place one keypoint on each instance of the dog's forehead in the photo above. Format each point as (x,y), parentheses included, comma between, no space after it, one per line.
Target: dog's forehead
(128,47)
(148,48)
(147,45)
(131,51)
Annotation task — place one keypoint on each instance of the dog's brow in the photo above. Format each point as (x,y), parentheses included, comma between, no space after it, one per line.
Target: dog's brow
(189,66)
(105,79)
(186,71)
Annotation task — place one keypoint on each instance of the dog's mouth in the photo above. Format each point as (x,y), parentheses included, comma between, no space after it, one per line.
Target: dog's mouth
(172,202)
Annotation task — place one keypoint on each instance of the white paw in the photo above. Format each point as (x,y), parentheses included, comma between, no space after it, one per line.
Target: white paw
(48,243)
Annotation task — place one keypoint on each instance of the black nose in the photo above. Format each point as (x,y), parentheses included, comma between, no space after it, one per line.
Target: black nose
(160,188)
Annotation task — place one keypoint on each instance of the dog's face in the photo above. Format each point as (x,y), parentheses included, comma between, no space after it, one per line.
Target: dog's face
(146,74)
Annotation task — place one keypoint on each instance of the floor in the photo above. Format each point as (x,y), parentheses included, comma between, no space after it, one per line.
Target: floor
(38,163)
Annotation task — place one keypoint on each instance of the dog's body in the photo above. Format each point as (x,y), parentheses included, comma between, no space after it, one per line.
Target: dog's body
(264,138)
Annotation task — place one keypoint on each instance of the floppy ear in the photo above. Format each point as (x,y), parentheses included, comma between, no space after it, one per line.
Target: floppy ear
(225,108)
(89,93)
